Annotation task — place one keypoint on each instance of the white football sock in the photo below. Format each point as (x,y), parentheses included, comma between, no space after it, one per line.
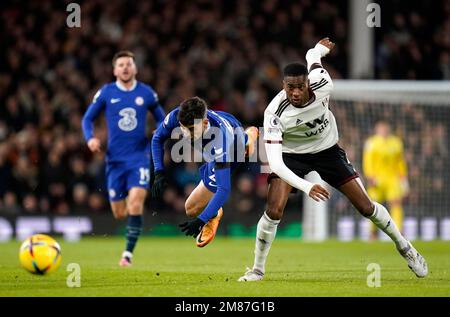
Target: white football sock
(127,254)
(383,220)
(265,234)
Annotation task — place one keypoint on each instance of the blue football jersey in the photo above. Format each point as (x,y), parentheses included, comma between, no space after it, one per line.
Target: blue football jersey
(126,113)
(223,141)
(223,148)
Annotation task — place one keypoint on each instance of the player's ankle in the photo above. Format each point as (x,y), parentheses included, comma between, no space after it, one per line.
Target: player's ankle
(259,271)
(127,254)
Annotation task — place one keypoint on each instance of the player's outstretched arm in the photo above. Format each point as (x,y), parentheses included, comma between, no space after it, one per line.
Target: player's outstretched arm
(314,55)
(160,136)
(158,114)
(160,183)
(275,158)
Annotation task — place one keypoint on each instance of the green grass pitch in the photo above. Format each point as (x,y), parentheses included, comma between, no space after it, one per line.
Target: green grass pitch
(176,267)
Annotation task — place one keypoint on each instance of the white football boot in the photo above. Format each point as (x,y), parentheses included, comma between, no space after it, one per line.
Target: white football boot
(251,275)
(416,262)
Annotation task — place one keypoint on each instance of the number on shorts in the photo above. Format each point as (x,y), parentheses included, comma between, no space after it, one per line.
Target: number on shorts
(144,175)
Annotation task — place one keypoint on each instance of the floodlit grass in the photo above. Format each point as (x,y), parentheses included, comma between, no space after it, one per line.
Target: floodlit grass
(176,267)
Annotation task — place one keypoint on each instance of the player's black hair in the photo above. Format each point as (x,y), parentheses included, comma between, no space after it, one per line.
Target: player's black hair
(192,109)
(295,69)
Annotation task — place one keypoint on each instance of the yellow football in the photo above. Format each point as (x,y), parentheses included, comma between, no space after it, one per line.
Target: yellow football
(40,254)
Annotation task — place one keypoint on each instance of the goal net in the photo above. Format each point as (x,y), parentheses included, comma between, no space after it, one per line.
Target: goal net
(419,113)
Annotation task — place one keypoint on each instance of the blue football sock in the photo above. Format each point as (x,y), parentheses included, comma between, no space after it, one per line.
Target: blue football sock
(134,229)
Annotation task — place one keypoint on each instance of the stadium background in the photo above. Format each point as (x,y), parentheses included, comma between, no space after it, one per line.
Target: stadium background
(230,53)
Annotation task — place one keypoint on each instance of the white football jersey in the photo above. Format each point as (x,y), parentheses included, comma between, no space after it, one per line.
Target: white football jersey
(308,129)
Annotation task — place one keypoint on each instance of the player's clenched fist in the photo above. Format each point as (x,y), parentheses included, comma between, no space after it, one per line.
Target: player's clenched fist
(94,144)
(319,193)
(326,42)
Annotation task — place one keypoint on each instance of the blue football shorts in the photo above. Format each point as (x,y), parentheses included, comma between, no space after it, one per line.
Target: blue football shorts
(122,176)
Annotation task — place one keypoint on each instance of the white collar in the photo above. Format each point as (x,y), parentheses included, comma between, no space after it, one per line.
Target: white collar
(121,87)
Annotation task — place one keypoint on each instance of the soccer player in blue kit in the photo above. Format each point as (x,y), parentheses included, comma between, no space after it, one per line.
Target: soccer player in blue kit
(222,154)
(126,103)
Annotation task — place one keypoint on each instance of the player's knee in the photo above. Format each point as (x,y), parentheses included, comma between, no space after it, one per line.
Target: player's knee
(135,207)
(274,212)
(191,208)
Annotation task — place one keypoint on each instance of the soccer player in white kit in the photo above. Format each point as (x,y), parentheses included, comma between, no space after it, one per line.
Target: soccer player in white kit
(301,136)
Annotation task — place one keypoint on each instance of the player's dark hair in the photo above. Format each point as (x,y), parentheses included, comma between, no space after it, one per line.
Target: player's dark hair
(295,69)
(192,109)
(122,54)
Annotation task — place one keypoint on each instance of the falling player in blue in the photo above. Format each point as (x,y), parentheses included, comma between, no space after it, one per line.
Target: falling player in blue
(126,103)
(224,144)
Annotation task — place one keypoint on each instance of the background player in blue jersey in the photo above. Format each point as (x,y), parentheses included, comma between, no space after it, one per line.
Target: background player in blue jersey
(126,103)
(228,141)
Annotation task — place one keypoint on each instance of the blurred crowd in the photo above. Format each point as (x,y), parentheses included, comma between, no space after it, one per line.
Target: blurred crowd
(413,41)
(229,52)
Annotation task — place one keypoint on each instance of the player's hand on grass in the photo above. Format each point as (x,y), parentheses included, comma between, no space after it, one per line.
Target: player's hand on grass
(94,145)
(192,228)
(327,43)
(159,185)
(319,193)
